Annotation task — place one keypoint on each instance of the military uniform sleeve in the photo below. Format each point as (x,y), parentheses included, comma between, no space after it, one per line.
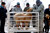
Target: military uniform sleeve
(24,9)
(41,7)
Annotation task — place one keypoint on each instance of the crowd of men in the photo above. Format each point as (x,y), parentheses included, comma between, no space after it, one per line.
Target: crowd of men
(38,7)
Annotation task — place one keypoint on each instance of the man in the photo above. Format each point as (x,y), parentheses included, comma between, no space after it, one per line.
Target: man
(2,16)
(17,8)
(39,8)
(47,12)
(27,8)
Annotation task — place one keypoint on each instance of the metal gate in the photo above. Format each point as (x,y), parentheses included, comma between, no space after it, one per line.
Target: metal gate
(33,23)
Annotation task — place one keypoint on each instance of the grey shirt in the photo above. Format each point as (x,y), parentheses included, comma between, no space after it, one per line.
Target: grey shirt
(17,9)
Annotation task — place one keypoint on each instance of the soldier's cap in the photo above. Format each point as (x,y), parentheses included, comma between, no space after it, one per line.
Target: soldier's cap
(18,3)
(38,1)
(27,3)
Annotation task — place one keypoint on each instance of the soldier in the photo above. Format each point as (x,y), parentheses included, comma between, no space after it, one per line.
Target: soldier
(27,8)
(39,8)
(17,8)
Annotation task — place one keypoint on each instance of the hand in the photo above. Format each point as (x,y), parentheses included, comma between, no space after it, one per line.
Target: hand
(47,16)
(29,10)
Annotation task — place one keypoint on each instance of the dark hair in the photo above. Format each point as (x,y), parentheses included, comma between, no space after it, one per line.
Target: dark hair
(49,4)
(3,3)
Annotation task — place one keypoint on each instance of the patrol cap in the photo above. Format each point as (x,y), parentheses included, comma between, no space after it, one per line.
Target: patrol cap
(27,3)
(38,1)
(18,3)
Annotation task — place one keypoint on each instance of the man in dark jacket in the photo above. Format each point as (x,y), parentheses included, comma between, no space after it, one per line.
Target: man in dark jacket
(47,12)
(2,16)
(27,8)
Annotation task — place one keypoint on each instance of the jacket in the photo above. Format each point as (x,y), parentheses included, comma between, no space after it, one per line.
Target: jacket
(39,9)
(3,12)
